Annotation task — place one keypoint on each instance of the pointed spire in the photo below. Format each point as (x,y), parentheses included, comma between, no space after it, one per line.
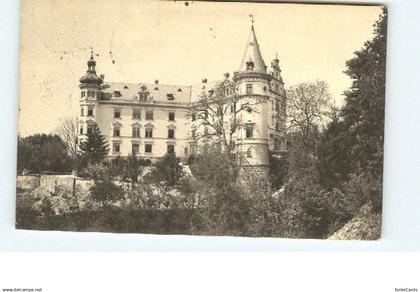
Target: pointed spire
(252,59)
(91,63)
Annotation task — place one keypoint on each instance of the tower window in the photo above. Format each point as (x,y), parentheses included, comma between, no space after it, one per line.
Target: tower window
(249,153)
(249,88)
(82,111)
(249,66)
(81,129)
(135,148)
(136,132)
(249,132)
(171,116)
(117,113)
(148,133)
(83,93)
(90,112)
(136,114)
(148,148)
(171,133)
(170,148)
(149,115)
(90,127)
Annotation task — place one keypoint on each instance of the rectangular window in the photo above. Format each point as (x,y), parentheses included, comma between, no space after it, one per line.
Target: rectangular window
(90,112)
(148,148)
(82,111)
(136,132)
(81,130)
(171,133)
(249,132)
(116,148)
(249,88)
(117,113)
(83,93)
(170,149)
(149,115)
(136,114)
(89,128)
(170,96)
(135,148)
(172,116)
(148,133)
(116,132)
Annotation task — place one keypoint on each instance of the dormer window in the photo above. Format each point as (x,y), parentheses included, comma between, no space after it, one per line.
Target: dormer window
(156,88)
(179,90)
(249,66)
(117,93)
(170,96)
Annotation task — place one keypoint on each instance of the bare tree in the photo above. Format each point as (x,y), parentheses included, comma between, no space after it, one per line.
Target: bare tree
(68,131)
(309,107)
(218,111)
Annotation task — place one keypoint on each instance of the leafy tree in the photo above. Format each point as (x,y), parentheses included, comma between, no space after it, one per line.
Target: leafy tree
(308,107)
(127,168)
(168,169)
(41,152)
(352,144)
(95,148)
(363,111)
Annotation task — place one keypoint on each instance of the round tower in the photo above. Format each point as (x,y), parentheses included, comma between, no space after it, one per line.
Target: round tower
(90,92)
(253,83)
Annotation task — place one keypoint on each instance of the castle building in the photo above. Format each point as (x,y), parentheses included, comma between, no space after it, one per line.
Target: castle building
(149,120)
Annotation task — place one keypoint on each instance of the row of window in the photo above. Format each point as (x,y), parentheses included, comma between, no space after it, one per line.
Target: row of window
(90,93)
(89,111)
(137,115)
(135,148)
(148,132)
(249,132)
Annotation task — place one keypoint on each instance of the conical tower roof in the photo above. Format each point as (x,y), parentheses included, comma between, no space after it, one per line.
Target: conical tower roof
(252,54)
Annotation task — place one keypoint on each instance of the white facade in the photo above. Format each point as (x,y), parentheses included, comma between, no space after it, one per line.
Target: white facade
(149,120)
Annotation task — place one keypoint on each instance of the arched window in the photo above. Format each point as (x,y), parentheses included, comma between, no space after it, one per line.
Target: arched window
(249,153)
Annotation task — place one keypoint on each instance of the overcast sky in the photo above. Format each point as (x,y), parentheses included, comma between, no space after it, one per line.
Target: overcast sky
(141,41)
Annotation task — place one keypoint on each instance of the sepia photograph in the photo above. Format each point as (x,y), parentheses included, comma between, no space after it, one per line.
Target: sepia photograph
(202,118)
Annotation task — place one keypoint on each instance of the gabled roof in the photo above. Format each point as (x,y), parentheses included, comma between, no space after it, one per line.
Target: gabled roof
(252,54)
(156,92)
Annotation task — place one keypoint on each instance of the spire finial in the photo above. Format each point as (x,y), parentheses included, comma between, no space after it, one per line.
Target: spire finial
(91,53)
(252,21)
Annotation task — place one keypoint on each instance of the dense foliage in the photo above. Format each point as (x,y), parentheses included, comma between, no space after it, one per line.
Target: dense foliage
(41,152)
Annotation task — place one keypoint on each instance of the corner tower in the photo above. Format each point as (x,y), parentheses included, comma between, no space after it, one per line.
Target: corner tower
(90,92)
(253,83)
